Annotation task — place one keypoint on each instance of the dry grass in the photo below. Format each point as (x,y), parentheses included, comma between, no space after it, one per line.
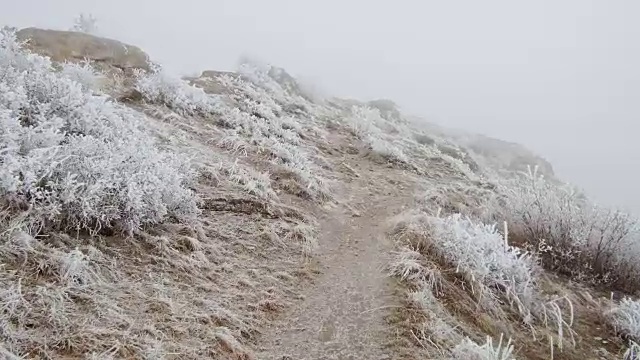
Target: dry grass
(265,161)
(171,291)
(444,305)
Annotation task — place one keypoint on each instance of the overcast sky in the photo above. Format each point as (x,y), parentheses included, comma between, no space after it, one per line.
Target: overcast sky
(561,77)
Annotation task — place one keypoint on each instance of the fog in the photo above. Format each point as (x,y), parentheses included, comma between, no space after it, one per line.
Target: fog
(560,77)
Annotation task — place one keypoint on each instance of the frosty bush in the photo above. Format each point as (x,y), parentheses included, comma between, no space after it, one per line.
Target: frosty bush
(468,350)
(160,88)
(83,74)
(626,318)
(368,125)
(633,352)
(257,71)
(587,241)
(74,160)
(259,121)
(479,252)
(469,199)
(250,180)
(386,149)
(282,88)
(86,24)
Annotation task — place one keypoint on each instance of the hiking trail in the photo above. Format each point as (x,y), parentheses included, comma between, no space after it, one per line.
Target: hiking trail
(342,314)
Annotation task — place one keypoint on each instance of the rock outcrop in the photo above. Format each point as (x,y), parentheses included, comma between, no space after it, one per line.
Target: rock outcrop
(210,81)
(508,155)
(74,46)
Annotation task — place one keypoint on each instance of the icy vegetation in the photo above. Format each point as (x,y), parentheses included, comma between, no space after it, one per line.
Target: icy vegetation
(256,121)
(477,251)
(173,202)
(482,253)
(543,224)
(468,350)
(73,160)
(626,317)
(108,211)
(369,126)
(161,88)
(582,239)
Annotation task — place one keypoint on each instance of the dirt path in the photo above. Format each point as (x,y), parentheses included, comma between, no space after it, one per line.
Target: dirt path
(342,315)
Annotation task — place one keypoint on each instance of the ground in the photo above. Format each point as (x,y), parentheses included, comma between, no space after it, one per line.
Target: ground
(342,315)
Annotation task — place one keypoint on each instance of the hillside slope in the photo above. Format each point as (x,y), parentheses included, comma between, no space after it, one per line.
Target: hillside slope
(233,216)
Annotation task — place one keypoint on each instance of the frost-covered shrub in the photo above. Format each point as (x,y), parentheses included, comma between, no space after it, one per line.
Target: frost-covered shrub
(160,88)
(86,24)
(407,265)
(386,149)
(496,274)
(365,121)
(469,199)
(469,350)
(259,122)
(633,352)
(75,160)
(587,241)
(369,126)
(257,72)
(460,167)
(298,162)
(83,74)
(282,88)
(626,318)
(479,252)
(253,182)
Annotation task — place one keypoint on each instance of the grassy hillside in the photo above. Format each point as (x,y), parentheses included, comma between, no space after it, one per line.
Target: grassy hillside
(235,216)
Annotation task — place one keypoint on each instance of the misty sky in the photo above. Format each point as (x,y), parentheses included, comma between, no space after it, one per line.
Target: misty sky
(559,76)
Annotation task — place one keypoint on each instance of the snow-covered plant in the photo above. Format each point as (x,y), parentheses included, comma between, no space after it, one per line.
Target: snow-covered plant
(552,316)
(161,88)
(633,352)
(304,234)
(297,161)
(386,149)
(281,86)
(541,209)
(588,241)
(253,182)
(365,121)
(469,350)
(407,264)
(626,317)
(369,126)
(234,143)
(259,123)
(434,151)
(75,160)
(470,199)
(480,253)
(6,354)
(436,330)
(83,74)
(258,73)
(86,24)
(457,163)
